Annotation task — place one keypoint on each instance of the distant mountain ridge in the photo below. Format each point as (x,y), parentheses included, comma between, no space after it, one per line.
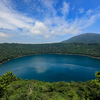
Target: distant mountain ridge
(84,38)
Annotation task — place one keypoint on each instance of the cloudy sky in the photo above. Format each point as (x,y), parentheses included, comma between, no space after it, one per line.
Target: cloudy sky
(47,21)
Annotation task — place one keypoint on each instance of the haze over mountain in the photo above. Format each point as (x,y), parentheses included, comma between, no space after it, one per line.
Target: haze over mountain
(84,38)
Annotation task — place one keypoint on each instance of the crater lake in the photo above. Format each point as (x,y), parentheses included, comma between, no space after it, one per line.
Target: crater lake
(53,67)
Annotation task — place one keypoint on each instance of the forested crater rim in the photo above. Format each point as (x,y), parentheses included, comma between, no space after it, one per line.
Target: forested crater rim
(14,50)
(51,53)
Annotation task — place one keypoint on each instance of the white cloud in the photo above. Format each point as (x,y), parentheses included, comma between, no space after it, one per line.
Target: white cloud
(50,25)
(14,21)
(48,5)
(39,29)
(73,8)
(3,35)
(27,1)
(89,12)
(65,9)
(71,31)
(86,22)
(81,10)
(10,19)
(46,36)
(52,32)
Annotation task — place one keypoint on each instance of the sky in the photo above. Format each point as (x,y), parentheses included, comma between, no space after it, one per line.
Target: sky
(47,21)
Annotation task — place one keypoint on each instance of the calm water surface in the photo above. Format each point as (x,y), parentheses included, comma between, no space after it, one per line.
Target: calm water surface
(53,67)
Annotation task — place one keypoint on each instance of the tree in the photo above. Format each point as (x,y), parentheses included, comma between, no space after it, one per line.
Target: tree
(5,81)
(97,74)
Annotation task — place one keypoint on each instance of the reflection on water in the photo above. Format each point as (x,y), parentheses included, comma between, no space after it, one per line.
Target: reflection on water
(38,64)
(53,67)
(39,67)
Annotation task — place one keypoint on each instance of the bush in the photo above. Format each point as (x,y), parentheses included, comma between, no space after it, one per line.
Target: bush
(5,80)
(97,74)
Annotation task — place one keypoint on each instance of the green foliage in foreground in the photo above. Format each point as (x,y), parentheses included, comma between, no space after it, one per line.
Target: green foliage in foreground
(12,50)
(12,88)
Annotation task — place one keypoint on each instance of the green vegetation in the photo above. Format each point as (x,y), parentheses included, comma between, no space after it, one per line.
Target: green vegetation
(12,88)
(10,51)
(84,38)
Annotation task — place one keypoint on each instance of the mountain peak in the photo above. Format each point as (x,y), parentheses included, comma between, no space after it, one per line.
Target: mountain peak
(84,38)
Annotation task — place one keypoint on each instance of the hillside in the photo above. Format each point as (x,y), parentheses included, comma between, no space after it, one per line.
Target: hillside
(84,38)
(10,51)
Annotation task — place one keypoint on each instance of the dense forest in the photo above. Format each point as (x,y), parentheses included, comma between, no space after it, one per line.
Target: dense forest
(12,88)
(13,50)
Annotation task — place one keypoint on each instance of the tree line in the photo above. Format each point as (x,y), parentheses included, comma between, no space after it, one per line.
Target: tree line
(13,50)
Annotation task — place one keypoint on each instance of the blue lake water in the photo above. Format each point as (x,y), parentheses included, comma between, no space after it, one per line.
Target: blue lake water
(53,67)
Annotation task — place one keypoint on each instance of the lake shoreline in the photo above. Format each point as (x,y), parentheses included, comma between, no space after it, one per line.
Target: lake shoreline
(50,53)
